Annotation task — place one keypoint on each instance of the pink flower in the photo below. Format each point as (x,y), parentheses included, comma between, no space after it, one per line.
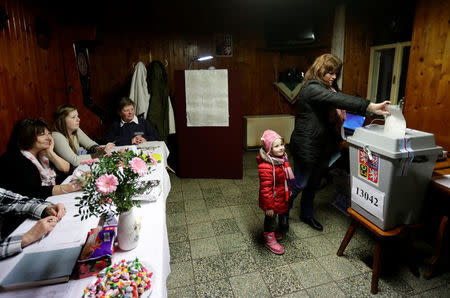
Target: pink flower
(90,161)
(138,166)
(106,183)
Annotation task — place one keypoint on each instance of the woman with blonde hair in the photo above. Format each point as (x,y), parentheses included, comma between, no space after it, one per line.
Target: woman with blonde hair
(313,139)
(71,143)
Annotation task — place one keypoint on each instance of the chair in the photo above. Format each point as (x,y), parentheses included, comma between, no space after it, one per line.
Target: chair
(381,236)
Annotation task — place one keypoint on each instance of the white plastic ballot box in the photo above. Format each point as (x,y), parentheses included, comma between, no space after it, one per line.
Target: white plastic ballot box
(389,176)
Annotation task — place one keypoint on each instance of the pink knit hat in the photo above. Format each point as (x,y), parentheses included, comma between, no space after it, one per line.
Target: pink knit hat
(268,137)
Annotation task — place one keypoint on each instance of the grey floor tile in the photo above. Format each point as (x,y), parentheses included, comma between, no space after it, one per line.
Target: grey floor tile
(177,234)
(231,242)
(181,274)
(175,196)
(440,291)
(281,280)
(180,252)
(207,183)
(239,262)
(182,292)
(215,202)
(295,250)
(249,285)
(175,207)
(197,216)
(266,259)
(209,269)
(217,288)
(233,199)
(310,273)
(220,213)
(191,205)
(243,210)
(359,286)
(193,195)
(176,219)
(302,230)
(206,247)
(326,290)
(320,246)
(420,284)
(298,294)
(200,230)
(338,267)
(225,226)
(361,258)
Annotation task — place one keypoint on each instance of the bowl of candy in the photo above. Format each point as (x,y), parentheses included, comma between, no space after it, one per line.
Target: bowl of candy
(122,279)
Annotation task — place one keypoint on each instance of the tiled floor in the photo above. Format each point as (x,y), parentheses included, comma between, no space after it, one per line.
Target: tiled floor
(215,232)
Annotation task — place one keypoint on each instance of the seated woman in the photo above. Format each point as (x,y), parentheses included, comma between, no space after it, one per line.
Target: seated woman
(68,137)
(30,165)
(130,130)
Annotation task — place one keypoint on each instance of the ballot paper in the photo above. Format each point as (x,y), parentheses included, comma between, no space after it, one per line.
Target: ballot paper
(395,123)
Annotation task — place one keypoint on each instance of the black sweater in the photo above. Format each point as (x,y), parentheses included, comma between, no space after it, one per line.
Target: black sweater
(122,135)
(21,176)
(313,138)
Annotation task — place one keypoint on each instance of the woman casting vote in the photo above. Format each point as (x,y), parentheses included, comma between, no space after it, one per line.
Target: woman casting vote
(30,166)
(71,143)
(313,139)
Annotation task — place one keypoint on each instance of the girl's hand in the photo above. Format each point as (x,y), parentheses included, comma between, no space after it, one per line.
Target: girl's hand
(269,212)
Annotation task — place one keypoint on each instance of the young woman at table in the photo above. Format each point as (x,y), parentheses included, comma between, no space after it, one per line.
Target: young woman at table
(71,143)
(130,130)
(30,166)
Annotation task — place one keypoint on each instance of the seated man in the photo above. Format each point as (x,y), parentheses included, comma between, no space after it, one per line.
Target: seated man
(130,130)
(15,205)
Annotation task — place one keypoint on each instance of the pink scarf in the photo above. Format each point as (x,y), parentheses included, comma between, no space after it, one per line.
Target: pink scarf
(289,183)
(43,165)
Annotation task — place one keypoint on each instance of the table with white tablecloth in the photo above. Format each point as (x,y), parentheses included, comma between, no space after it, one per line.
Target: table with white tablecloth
(152,249)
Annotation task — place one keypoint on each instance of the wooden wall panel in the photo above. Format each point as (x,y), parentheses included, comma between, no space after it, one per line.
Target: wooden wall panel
(31,78)
(112,64)
(356,51)
(427,93)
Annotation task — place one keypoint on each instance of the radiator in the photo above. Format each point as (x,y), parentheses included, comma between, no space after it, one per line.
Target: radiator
(254,126)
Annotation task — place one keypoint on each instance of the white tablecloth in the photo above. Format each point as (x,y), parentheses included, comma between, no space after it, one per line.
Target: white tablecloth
(153,247)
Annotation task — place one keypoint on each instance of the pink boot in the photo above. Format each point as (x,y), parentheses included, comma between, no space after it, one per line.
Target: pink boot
(272,244)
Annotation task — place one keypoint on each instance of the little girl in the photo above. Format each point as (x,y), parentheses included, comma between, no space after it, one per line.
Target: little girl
(275,181)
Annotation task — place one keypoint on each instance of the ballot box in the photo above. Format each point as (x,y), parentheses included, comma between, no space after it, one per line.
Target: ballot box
(390,175)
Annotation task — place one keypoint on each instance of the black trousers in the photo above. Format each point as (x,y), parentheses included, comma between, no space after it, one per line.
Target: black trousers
(270,222)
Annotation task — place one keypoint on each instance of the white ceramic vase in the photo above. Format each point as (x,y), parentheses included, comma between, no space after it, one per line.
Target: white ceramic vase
(128,230)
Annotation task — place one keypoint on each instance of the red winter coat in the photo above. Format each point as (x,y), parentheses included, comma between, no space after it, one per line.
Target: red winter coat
(267,200)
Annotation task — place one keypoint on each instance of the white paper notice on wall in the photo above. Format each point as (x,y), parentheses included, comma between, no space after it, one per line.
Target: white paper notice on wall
(207,97)
(368,197)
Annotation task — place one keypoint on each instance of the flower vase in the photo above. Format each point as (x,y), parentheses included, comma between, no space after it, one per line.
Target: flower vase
(128,230)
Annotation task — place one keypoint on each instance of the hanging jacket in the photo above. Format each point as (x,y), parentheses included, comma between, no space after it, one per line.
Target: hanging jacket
(272,193)
(158,88)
